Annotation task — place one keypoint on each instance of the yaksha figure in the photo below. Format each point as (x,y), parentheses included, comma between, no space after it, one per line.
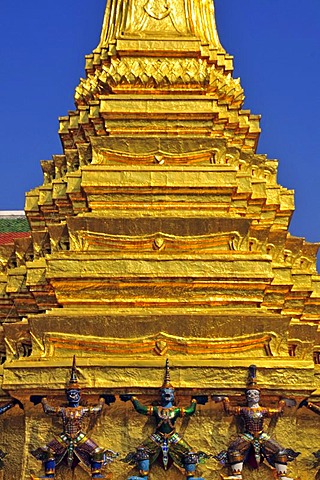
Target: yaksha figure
(165,444)
(73,445)
(254,445)
(3,409)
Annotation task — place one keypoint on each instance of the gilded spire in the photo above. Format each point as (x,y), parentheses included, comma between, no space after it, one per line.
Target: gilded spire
(166,22)
(167,46)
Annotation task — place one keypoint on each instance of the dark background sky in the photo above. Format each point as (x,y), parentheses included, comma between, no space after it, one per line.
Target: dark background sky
(276,45)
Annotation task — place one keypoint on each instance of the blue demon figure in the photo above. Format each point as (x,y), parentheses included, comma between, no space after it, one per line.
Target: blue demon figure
(254,444)
(73,445)
(165,444)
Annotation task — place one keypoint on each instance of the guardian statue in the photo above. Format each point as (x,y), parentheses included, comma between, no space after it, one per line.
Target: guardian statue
(165,444)
(73,445)
(254,444)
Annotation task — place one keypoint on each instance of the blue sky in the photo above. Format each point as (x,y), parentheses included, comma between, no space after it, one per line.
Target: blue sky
(276,49)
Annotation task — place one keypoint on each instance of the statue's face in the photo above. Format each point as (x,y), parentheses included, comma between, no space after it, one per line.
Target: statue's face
(166,395)
(73,397)
(253,397)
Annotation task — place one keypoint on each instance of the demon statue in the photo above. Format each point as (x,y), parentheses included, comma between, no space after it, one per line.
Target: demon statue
(165,444)
(3,409)
(73,445)
(254,444)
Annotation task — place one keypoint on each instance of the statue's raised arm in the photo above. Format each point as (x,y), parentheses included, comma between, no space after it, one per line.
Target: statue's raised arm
(48,408)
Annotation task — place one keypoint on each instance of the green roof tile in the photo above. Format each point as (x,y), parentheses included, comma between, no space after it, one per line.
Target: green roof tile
(18,224)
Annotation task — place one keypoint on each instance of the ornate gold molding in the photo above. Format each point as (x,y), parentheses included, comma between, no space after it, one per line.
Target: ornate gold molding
(86,240)
(261,344)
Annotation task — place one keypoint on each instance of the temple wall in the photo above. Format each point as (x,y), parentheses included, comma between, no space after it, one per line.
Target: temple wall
(121,429)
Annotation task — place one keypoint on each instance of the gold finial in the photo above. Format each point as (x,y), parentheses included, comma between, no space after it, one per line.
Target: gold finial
(73,382)
(252,383)
(166,381)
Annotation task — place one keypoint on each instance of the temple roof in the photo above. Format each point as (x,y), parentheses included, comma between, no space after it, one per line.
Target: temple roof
(13,225)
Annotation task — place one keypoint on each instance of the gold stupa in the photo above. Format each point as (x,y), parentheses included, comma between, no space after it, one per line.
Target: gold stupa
(159,233)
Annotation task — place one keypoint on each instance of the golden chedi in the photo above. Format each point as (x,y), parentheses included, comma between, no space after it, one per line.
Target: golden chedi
(159,233)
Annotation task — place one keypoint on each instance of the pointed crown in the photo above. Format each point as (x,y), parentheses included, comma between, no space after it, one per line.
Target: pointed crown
(166,380)
(252,383)
(73,382)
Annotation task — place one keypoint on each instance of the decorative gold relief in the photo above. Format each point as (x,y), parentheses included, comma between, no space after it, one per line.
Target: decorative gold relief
(158,9)
(86,240)
(112,157)
(149,18)
(159,159)
(18,340)
(161,347)
(159,243)
(56,343)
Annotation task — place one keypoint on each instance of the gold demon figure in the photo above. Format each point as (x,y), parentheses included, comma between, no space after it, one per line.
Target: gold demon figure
(254,444)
